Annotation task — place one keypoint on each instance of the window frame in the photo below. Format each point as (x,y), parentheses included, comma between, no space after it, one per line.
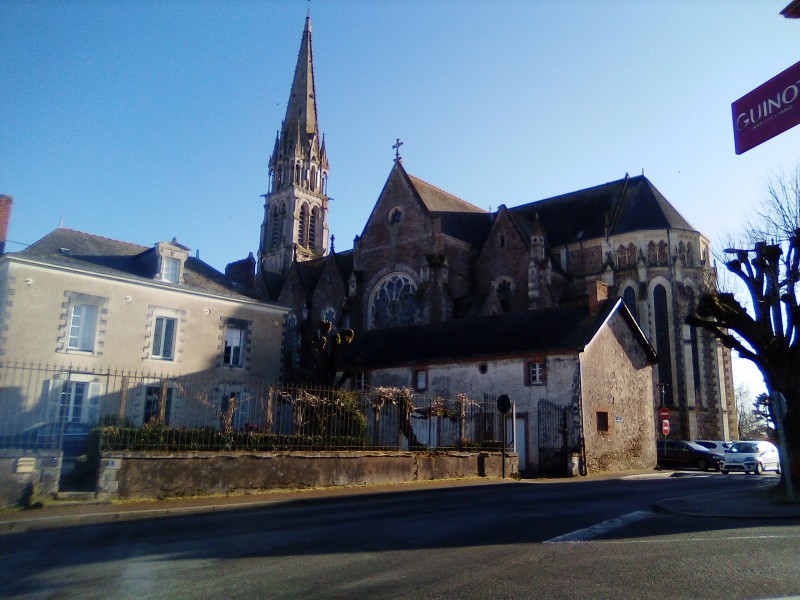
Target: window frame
(230,358)
(360,381)
(86,336)
(420,379)
(152,403)
(170,269)
(540,378)
(67,402)
(159,337)
(603,421)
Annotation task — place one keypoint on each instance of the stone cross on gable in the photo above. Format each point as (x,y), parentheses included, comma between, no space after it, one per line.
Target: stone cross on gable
(396,149)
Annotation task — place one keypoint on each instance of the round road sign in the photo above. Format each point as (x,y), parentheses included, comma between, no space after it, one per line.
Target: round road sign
(663,413)
(665,427)
(504,404)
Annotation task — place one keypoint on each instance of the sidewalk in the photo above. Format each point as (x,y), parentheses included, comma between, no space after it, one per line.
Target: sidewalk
(767,502)
(67,513)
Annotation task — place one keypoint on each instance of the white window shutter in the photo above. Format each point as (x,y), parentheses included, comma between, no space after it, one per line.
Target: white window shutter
(92,416)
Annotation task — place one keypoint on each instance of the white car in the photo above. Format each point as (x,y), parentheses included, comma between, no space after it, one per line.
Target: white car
(751,457)
(717,447)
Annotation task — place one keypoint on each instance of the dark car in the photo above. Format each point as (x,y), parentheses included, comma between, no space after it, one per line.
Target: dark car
(677,454)
(72,438)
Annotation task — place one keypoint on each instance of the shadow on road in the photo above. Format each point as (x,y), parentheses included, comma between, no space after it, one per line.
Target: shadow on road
(485,515)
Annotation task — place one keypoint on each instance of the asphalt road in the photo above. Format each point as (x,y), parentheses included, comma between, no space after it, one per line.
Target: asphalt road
(571,539)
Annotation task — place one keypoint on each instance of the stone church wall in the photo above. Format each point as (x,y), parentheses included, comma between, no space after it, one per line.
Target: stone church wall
(504,257)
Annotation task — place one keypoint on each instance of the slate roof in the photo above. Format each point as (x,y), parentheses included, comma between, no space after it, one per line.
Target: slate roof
(470,227)
(559,328)
(437,200)
(310,271)
(75,249)
(626,205)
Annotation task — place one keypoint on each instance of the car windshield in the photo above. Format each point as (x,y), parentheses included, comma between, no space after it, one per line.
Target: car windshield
(696,446)
(744,447)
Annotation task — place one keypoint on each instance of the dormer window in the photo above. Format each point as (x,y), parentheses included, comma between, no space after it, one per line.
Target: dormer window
(171,259)
(170,270)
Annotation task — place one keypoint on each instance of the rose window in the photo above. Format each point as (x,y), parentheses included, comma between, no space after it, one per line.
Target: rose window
(393,302)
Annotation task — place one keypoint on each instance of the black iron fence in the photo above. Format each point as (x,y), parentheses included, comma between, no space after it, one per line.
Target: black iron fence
(44,406)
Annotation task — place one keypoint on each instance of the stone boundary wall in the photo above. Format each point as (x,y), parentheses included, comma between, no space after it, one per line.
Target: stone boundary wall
(28,476)
(138,475)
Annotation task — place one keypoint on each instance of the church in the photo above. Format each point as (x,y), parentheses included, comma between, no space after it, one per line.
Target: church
(435,283)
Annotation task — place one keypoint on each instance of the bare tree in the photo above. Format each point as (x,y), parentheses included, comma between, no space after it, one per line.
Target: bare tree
(766,328)
(752,424)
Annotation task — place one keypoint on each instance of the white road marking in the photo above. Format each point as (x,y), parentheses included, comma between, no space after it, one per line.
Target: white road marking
(705,538)
(588,533)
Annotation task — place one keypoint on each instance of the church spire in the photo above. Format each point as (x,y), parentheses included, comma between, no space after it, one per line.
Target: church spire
(301,112)
(295,225)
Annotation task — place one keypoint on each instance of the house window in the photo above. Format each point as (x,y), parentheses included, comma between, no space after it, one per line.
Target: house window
(602,422)
(73,400)
(164,338)
(421,379)
(233,354)
(152,404)
(535,373)
(82,327)
(170,269)
(360,381)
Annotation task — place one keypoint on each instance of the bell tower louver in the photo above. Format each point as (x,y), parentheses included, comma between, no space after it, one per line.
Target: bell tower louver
(296,208)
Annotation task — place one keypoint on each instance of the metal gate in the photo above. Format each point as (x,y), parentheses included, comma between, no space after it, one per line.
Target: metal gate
(559,436)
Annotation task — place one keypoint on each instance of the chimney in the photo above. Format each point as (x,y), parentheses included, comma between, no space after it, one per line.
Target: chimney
(598,292)
(242,272)
(5,217)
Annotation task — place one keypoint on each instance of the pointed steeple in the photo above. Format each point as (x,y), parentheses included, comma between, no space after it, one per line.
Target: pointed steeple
(301,112)
(295,226)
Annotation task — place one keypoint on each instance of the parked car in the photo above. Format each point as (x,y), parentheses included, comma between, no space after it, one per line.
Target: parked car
(70,437)
(751,457)
(680,454)
(717,447)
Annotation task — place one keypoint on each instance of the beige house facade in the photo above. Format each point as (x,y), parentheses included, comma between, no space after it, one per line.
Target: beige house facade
(113,328)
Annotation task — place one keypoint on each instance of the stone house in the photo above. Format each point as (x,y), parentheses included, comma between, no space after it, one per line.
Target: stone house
(579,375)
(93,313)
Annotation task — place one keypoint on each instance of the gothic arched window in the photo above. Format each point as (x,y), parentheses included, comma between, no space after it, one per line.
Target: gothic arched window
(312,228)
(274,223)
(622,256)
(689,255)
(632,254)
(504,294)
(279,225)
(297,174)
(302,226)
(652,254)
(313,181)
(393,302)
(663,348)
(663,253)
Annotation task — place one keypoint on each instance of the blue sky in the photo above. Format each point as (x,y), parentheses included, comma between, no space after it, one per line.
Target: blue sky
(141,121)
